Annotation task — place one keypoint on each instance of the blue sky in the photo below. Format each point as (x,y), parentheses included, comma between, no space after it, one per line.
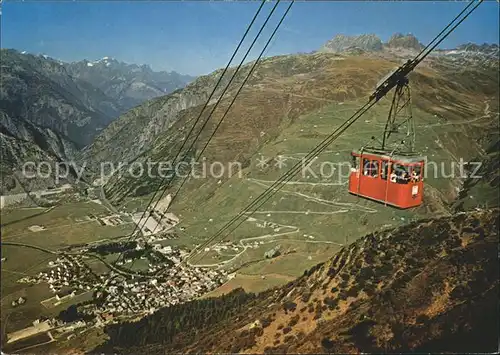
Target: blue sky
(197,37)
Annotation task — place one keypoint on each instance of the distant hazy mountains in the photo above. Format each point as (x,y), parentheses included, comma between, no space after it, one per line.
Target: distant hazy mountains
(51,109)
(41,92)
(128,84)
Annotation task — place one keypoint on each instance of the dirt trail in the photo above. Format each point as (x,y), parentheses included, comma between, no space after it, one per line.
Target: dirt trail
(349,205)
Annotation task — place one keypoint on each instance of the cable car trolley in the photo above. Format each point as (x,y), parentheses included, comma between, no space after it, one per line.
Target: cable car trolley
(394,180)
(392,172)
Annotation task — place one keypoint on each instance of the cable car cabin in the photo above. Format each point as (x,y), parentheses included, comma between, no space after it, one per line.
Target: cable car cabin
(390,179)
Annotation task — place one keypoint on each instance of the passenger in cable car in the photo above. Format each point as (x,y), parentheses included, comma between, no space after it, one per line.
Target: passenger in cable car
(402,176)
(405,178)
(414,176)
(354,164)
(393,177)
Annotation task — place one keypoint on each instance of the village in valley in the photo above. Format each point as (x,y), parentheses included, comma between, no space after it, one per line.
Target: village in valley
(135,276)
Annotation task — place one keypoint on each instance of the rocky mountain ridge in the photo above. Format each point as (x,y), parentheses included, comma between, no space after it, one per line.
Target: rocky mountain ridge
(142,125)
(409,41)
(52,109)
(41,91)
(341,43)
(128,84)
(45,114)
(372,43)
(308,81)
(153,118)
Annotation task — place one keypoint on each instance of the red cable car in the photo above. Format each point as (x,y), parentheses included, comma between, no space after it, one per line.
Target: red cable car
(393,173)
(395,180)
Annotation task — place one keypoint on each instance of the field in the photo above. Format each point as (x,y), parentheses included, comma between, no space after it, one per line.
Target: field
(29,342)
(64,225)
(250,283)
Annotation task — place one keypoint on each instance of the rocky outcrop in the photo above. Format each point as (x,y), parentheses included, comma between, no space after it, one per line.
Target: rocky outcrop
(341,43)
(409,41)
(485,48)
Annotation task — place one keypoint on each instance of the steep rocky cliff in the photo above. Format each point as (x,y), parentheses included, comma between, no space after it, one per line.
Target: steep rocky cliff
(409,41)
(23,148)
(57,108)
(342,43)
(45,115)
(135,131)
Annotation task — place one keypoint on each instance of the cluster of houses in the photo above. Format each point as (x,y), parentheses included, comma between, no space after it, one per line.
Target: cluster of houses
(66,271)
(113,220)
(118,295)
(266,224)
(161,237)
(121,296)
(18,302)
(224,247)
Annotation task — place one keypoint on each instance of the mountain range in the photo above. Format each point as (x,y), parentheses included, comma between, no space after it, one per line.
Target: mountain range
(84,97)
(50,109)
(127,84)
(372,43)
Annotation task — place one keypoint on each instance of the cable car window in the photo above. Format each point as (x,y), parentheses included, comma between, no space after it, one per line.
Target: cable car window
(370,167)
(366,164)
(400,174)
(384,169)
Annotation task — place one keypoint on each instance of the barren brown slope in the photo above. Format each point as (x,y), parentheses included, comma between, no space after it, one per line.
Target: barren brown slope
(429,286)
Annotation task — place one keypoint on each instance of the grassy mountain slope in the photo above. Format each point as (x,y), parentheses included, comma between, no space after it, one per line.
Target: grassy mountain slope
(484,191)
(430,286)
(136,131)
(286,88)
(288,107)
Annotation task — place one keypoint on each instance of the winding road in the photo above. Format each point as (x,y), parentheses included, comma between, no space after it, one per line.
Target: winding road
(270,238)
